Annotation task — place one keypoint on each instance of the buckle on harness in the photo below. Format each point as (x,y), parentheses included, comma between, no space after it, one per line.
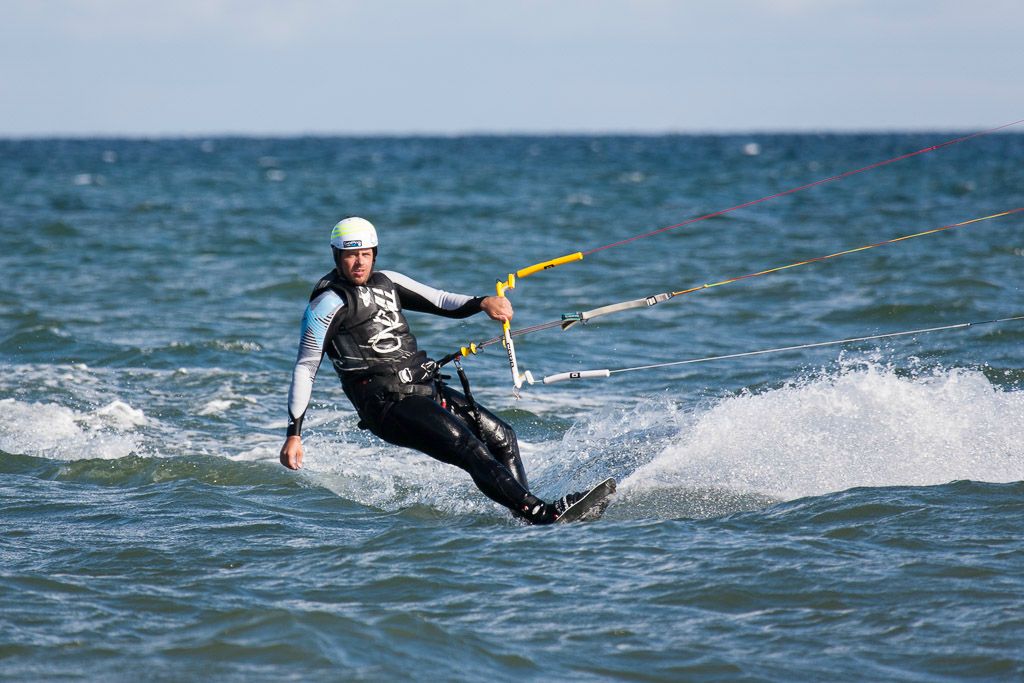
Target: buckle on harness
(405,375)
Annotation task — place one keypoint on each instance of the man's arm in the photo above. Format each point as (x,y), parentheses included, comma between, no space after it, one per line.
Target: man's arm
(317,319)
(416,296)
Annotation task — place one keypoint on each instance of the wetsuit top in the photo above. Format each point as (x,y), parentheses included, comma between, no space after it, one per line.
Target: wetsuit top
(363,331)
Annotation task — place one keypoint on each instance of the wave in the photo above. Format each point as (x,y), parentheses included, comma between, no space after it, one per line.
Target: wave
(862,424)
(61,433)
(859,423)
(134,471)
(900,516)
(117,444)
(865,424)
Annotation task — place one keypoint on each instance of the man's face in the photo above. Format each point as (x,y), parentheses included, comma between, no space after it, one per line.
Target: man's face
(356,265)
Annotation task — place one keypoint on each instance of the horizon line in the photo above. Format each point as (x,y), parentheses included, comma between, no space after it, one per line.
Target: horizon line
(469,133)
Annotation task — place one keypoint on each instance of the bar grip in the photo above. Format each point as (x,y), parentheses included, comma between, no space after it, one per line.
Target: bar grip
(545,265)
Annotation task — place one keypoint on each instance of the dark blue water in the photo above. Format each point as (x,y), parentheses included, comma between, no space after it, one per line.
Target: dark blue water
(849,512)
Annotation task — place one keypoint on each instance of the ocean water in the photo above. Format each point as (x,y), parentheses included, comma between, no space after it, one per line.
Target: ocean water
(847,512)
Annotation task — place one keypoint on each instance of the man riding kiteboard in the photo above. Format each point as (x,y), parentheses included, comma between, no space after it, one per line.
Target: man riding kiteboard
(355,316)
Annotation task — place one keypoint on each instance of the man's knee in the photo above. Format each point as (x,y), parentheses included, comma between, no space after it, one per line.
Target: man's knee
(505,437)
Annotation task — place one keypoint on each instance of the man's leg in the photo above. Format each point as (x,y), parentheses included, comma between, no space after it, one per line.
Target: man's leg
(419,422)
(495,432)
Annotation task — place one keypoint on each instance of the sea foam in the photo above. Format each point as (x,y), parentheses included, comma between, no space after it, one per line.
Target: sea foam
(54,431)
(861,425)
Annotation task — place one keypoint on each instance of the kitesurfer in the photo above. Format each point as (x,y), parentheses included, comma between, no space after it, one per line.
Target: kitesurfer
(355,316)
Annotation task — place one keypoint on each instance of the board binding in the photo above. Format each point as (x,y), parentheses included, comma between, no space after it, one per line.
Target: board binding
(591,506)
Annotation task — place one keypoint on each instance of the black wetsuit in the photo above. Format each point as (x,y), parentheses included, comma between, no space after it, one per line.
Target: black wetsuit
(394,386)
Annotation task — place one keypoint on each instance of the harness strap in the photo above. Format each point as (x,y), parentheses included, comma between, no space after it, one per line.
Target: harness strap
(473,407)
(399,381)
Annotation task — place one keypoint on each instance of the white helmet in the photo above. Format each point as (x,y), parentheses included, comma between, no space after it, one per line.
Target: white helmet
(354,233)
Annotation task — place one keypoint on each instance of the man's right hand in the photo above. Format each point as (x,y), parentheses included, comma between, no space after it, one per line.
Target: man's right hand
(291,452)
(497,308)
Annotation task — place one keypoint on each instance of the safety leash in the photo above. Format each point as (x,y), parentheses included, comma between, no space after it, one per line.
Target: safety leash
(470,401)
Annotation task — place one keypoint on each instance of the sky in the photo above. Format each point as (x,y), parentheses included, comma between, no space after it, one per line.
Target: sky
(397,67)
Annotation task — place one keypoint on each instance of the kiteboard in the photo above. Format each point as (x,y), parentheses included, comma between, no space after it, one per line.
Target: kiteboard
(590,506)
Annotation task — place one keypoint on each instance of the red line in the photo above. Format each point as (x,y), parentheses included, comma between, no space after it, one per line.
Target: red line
(847,174)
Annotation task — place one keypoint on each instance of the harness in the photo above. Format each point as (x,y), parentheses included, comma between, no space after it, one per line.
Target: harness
(376,356)
(369,340)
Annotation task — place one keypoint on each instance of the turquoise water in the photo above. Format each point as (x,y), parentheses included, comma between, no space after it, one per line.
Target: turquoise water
(848,512)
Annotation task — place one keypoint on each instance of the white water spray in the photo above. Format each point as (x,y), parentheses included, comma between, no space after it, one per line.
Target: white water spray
(864,426)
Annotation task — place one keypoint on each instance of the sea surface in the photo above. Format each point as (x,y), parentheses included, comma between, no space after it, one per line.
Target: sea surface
(847,512)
